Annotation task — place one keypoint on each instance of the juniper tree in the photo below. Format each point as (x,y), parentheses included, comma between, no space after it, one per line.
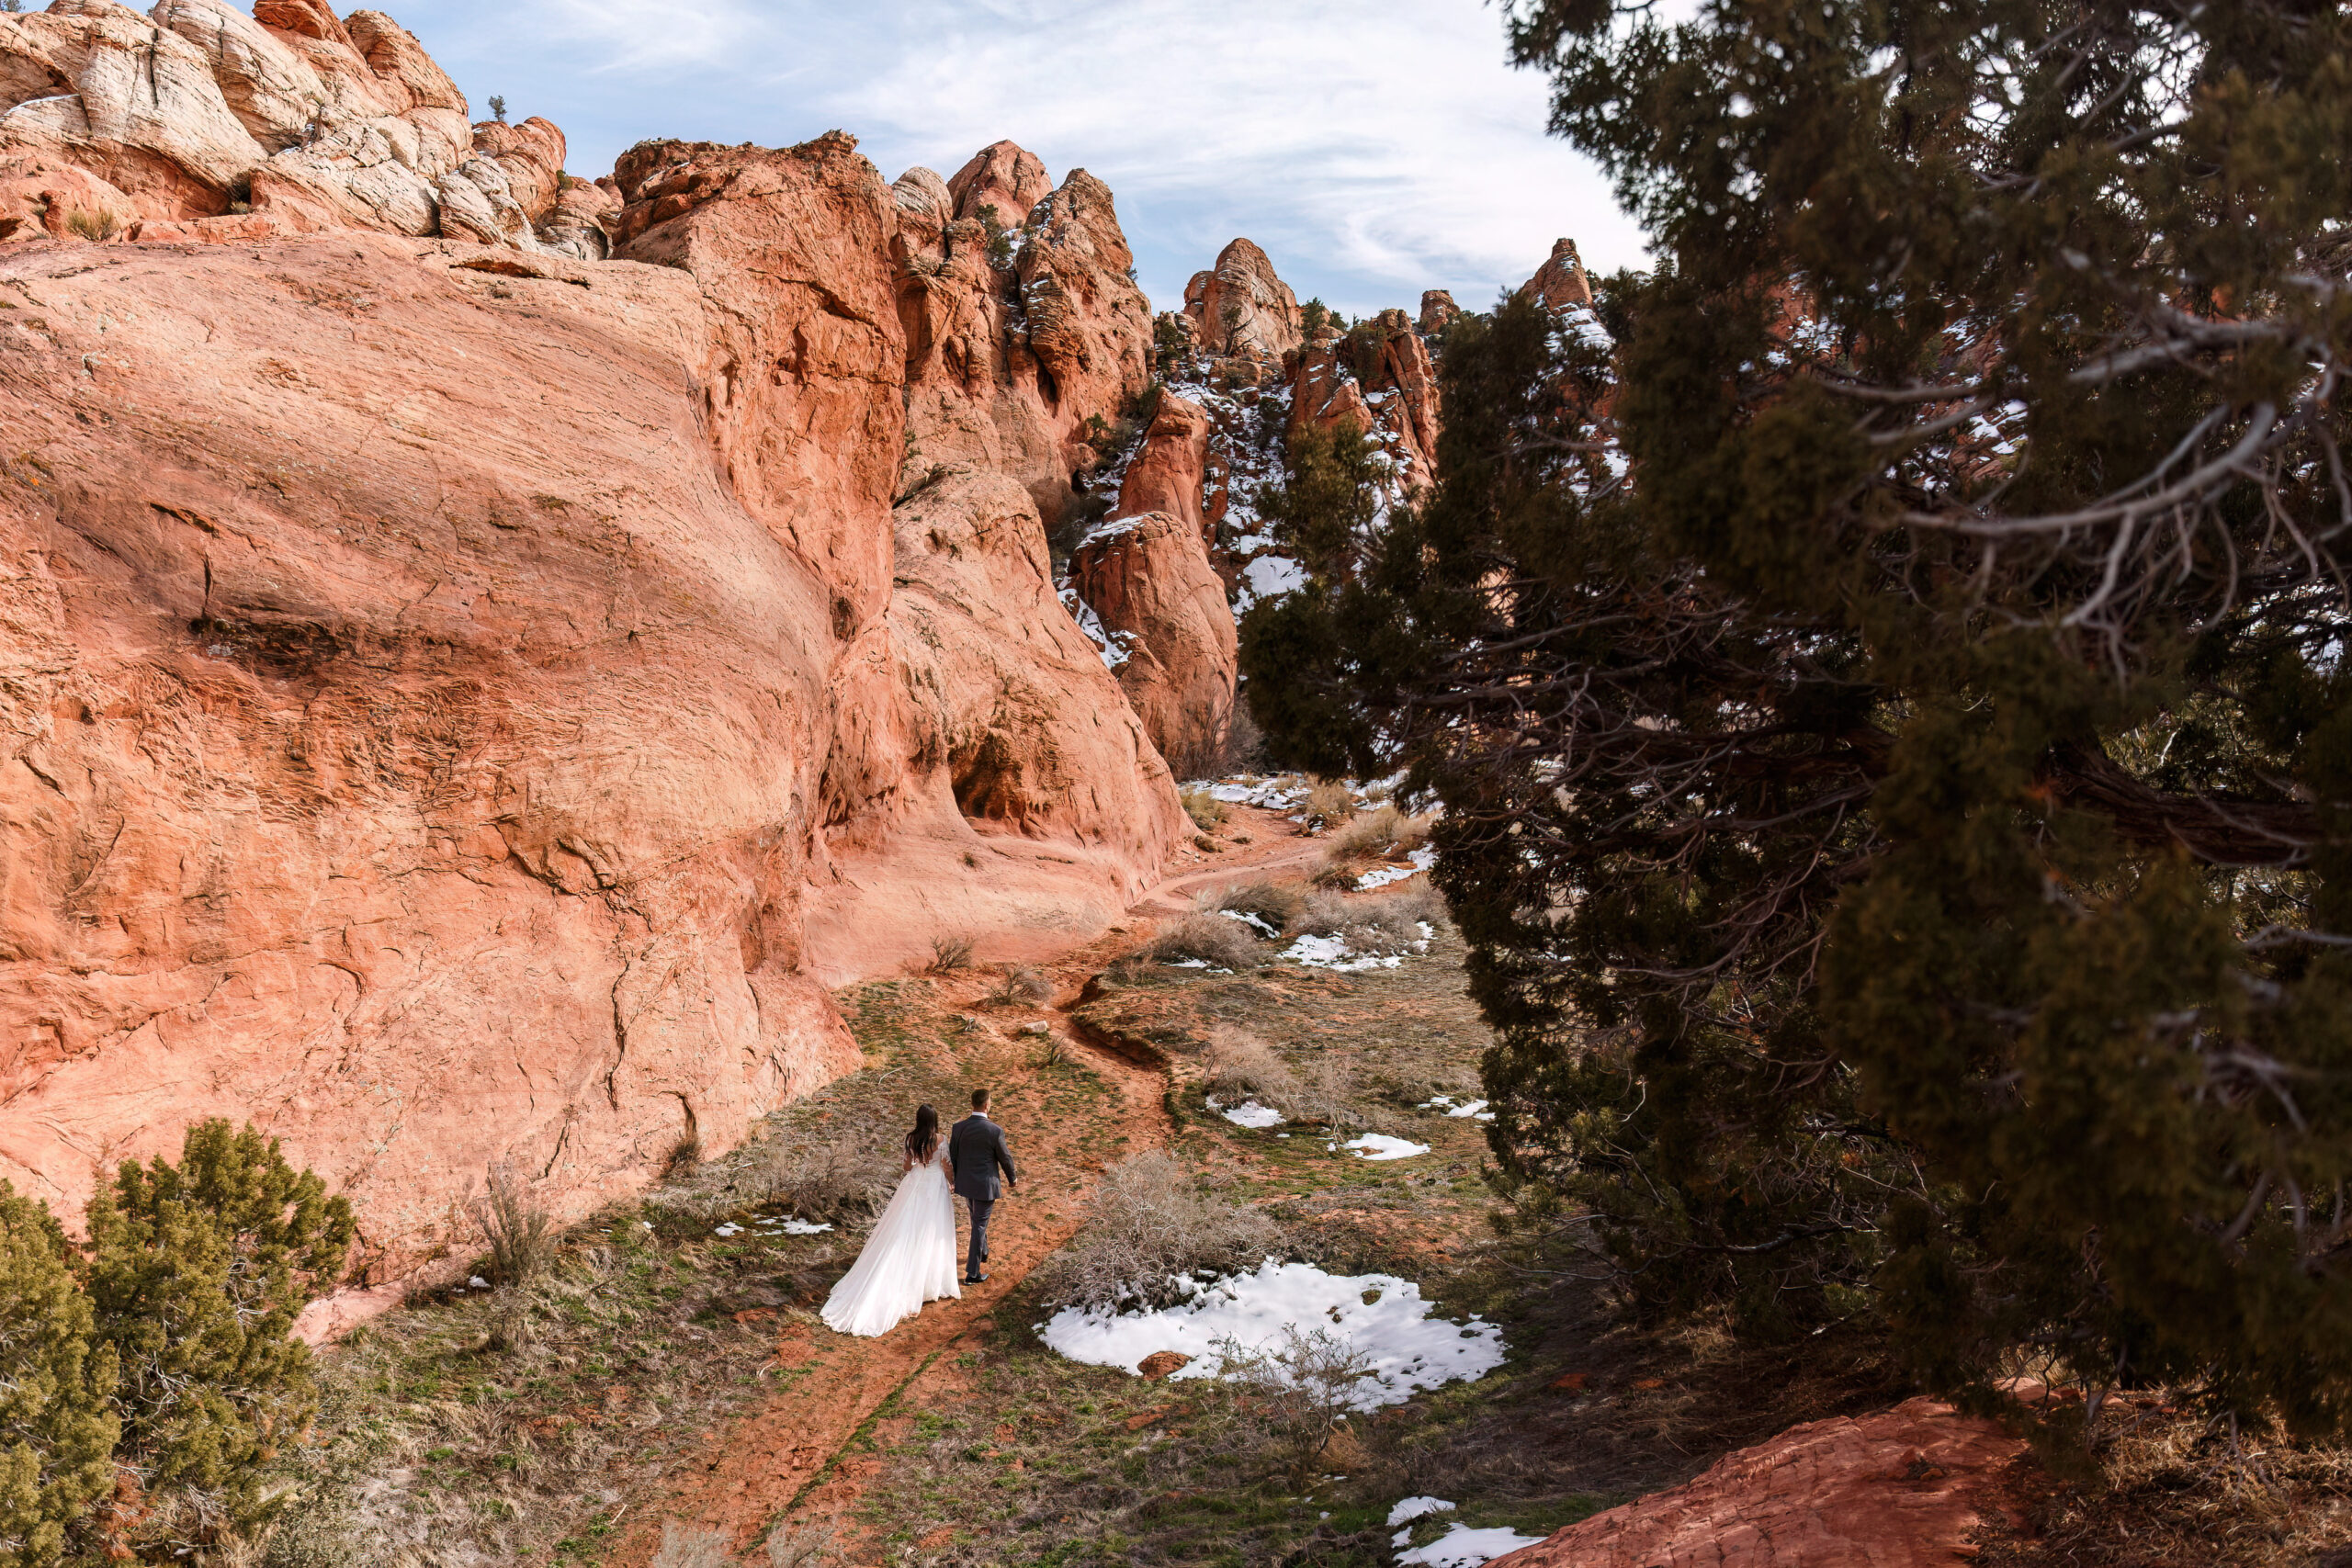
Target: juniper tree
(197,1272)
(1890,707)
(57,1420)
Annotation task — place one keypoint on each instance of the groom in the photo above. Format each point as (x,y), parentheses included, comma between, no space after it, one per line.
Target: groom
(976,1152)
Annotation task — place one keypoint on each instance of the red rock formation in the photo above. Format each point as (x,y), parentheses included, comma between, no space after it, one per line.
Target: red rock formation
(1560,282)
(1901,1489)
(531,157)
(1167,471)
(456,704)
(1149,577)
(1437,309)
(1241,308)
(1005,176)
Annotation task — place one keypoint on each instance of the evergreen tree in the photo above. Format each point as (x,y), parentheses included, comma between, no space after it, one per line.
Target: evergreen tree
(1890,707)
(57,1420)
(197,1274)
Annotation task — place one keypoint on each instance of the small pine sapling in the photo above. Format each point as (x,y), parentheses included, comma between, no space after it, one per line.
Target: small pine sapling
(197,1273)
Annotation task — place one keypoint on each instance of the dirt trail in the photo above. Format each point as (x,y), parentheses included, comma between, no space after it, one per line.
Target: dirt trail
(789,1461)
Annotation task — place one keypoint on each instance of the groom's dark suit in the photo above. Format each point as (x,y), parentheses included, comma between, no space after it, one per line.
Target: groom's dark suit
(976,1152)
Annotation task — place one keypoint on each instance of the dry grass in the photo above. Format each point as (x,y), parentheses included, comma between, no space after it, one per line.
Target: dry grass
(1388,924)
(1237,1065)
(98,226)
(1147,1226)
(1208,812)
(521,1235)
(2176,1489)
(1213,940)
(1274,904)
(1328,803)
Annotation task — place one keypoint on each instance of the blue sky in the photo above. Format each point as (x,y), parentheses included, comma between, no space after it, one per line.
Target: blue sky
(1375,148)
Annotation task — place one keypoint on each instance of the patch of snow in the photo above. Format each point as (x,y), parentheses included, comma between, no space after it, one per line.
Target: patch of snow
(476,1282)
(1412,1508)
(803,1227)
(1378,1314)
(1249,1114)
(1380,1145)
(1333,953)
(730,1228)
(1381,876)
(1472,1109)
(1462,1547)
(1269,577)
(1257,923)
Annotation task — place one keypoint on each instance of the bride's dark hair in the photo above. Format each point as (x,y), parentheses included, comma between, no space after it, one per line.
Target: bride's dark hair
(925,1138)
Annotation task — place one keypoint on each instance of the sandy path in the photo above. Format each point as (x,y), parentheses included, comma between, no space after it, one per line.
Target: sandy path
(787,1460)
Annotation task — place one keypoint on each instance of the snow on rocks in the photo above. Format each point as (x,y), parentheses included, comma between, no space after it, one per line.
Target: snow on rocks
(1333,953)
(1378,1314)
(1462,1547)
(1380,1145)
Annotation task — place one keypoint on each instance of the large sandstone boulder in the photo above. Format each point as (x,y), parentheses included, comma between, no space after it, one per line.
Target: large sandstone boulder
(1149,581)
(1901,1489)
(1239,307)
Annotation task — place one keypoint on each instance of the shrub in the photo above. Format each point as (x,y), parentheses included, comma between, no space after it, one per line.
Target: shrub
(1239,1066)
(803,1546)
(1273,903)
(1388,924)
(1147,1226)
(1206,939)
(98,226)
(1021,986)
(58,1425)
(1205,809)
(197,1272)
(1377,835)
(521,1235)
(999,238)
(1328,804)
(844,1175)
(1302,1387)
(949,955)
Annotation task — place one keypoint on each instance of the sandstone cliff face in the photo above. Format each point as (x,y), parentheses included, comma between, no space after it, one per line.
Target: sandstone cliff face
(458,704)
(1560,282)
(1239,306)
(1148,577)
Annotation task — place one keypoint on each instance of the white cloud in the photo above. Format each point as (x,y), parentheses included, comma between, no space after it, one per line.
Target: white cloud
(1373,149)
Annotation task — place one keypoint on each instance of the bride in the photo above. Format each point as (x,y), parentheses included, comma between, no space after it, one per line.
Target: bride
(910,1257)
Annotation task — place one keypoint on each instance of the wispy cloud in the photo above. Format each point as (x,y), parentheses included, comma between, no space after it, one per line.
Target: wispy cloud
(1373,149)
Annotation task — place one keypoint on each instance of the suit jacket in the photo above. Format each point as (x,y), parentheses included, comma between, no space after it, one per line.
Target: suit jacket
(976,1152)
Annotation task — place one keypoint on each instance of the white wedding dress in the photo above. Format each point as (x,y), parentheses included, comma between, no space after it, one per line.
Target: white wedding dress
(908,1260)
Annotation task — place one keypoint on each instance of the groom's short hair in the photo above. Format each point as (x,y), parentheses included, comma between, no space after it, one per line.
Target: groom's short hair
(979,1100)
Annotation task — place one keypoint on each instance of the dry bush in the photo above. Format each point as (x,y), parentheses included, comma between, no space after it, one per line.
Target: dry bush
(1326,1094)
(845,1176)
(683,1546)
(1208,939)
(1328,804)
(1301,1387)
(1021,986)
(1206,810)
(1377,835)
(1239,1066)
(1273,904)
(1148,1225)
(521,1235)
(949,955)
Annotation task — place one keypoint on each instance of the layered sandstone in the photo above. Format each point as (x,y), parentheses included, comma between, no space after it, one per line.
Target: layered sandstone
(1904,1488)
(1148,577)
(1560,283)
(464,706)
(1240,307)
(197,120)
